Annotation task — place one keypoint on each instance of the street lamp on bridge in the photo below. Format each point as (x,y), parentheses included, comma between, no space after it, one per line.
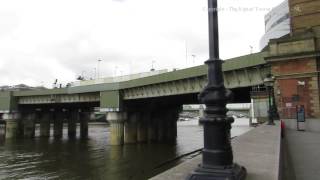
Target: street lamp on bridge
(268,82)
(217,156)
(99,60)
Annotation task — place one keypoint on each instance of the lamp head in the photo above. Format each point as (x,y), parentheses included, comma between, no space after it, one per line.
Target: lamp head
(268,81)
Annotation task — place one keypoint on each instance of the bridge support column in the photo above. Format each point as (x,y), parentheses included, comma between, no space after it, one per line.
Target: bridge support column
(152,129)
(142,134)
(84,119)
(29,125)
(45,124)
(201,110)
(130,128)
(12,125)
(72,124)
(161,128)
(58,124)
(2,130)
(171,126)
(116,120)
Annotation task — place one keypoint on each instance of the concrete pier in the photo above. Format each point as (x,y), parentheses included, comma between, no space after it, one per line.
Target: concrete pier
(142,131)
(58,124)
(12,124)
(201,110)
(116,120)
(12,129)
(84,119)
(171,126)
(72,124)
(152,129)
(130,128)
(45,124)
(28,125)
(2,130)
(161,128)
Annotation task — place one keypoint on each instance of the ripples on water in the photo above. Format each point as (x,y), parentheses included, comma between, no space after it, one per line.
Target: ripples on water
(93,158)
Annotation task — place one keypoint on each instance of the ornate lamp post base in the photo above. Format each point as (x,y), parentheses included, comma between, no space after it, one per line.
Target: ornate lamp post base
(217,157)
(270,115)
(235,172)
(271,123)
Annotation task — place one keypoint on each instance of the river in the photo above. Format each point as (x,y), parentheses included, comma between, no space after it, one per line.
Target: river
(93,158)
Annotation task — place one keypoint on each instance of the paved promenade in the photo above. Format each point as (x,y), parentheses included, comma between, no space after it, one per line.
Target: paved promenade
(302,155)
(258,150)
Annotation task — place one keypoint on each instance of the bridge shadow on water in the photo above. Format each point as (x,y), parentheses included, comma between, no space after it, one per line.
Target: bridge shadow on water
(94,158)
(91,158)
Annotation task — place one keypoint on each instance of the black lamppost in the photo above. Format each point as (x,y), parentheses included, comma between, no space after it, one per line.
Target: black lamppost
(268,82)
(217,156)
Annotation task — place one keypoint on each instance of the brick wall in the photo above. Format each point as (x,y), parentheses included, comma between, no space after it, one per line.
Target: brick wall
(304,15)
(296,84)
(294,66)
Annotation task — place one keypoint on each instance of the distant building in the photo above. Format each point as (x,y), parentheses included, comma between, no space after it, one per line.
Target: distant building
(19,87)
(277,23)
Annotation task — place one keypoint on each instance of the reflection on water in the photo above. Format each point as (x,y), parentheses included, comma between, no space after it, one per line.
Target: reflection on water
(93,158)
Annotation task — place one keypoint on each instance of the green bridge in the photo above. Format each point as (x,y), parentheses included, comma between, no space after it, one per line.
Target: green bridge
(139,110)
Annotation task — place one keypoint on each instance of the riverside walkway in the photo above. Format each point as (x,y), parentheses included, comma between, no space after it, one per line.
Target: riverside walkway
(259,150)
(302,159)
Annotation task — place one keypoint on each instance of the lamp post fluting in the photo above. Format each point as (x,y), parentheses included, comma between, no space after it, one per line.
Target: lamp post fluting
(217,156)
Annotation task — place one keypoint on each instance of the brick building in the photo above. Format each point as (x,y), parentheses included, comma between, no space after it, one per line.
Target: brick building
(295,61)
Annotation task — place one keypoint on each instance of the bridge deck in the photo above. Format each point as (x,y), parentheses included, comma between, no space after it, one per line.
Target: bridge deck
(241,72)
(237,63)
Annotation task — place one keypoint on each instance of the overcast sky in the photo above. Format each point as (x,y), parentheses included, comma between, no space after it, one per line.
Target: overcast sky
(41,40)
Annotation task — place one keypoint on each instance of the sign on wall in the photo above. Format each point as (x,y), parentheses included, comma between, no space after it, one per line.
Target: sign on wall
(300,117)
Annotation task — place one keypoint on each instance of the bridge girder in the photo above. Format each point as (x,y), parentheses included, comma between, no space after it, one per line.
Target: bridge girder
(60,98)
(245,77)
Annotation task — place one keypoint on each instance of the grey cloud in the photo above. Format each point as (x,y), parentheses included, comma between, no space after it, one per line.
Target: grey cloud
(74,58)
(197,43)
(69,54)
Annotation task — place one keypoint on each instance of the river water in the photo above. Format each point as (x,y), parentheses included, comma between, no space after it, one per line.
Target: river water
(93,158)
